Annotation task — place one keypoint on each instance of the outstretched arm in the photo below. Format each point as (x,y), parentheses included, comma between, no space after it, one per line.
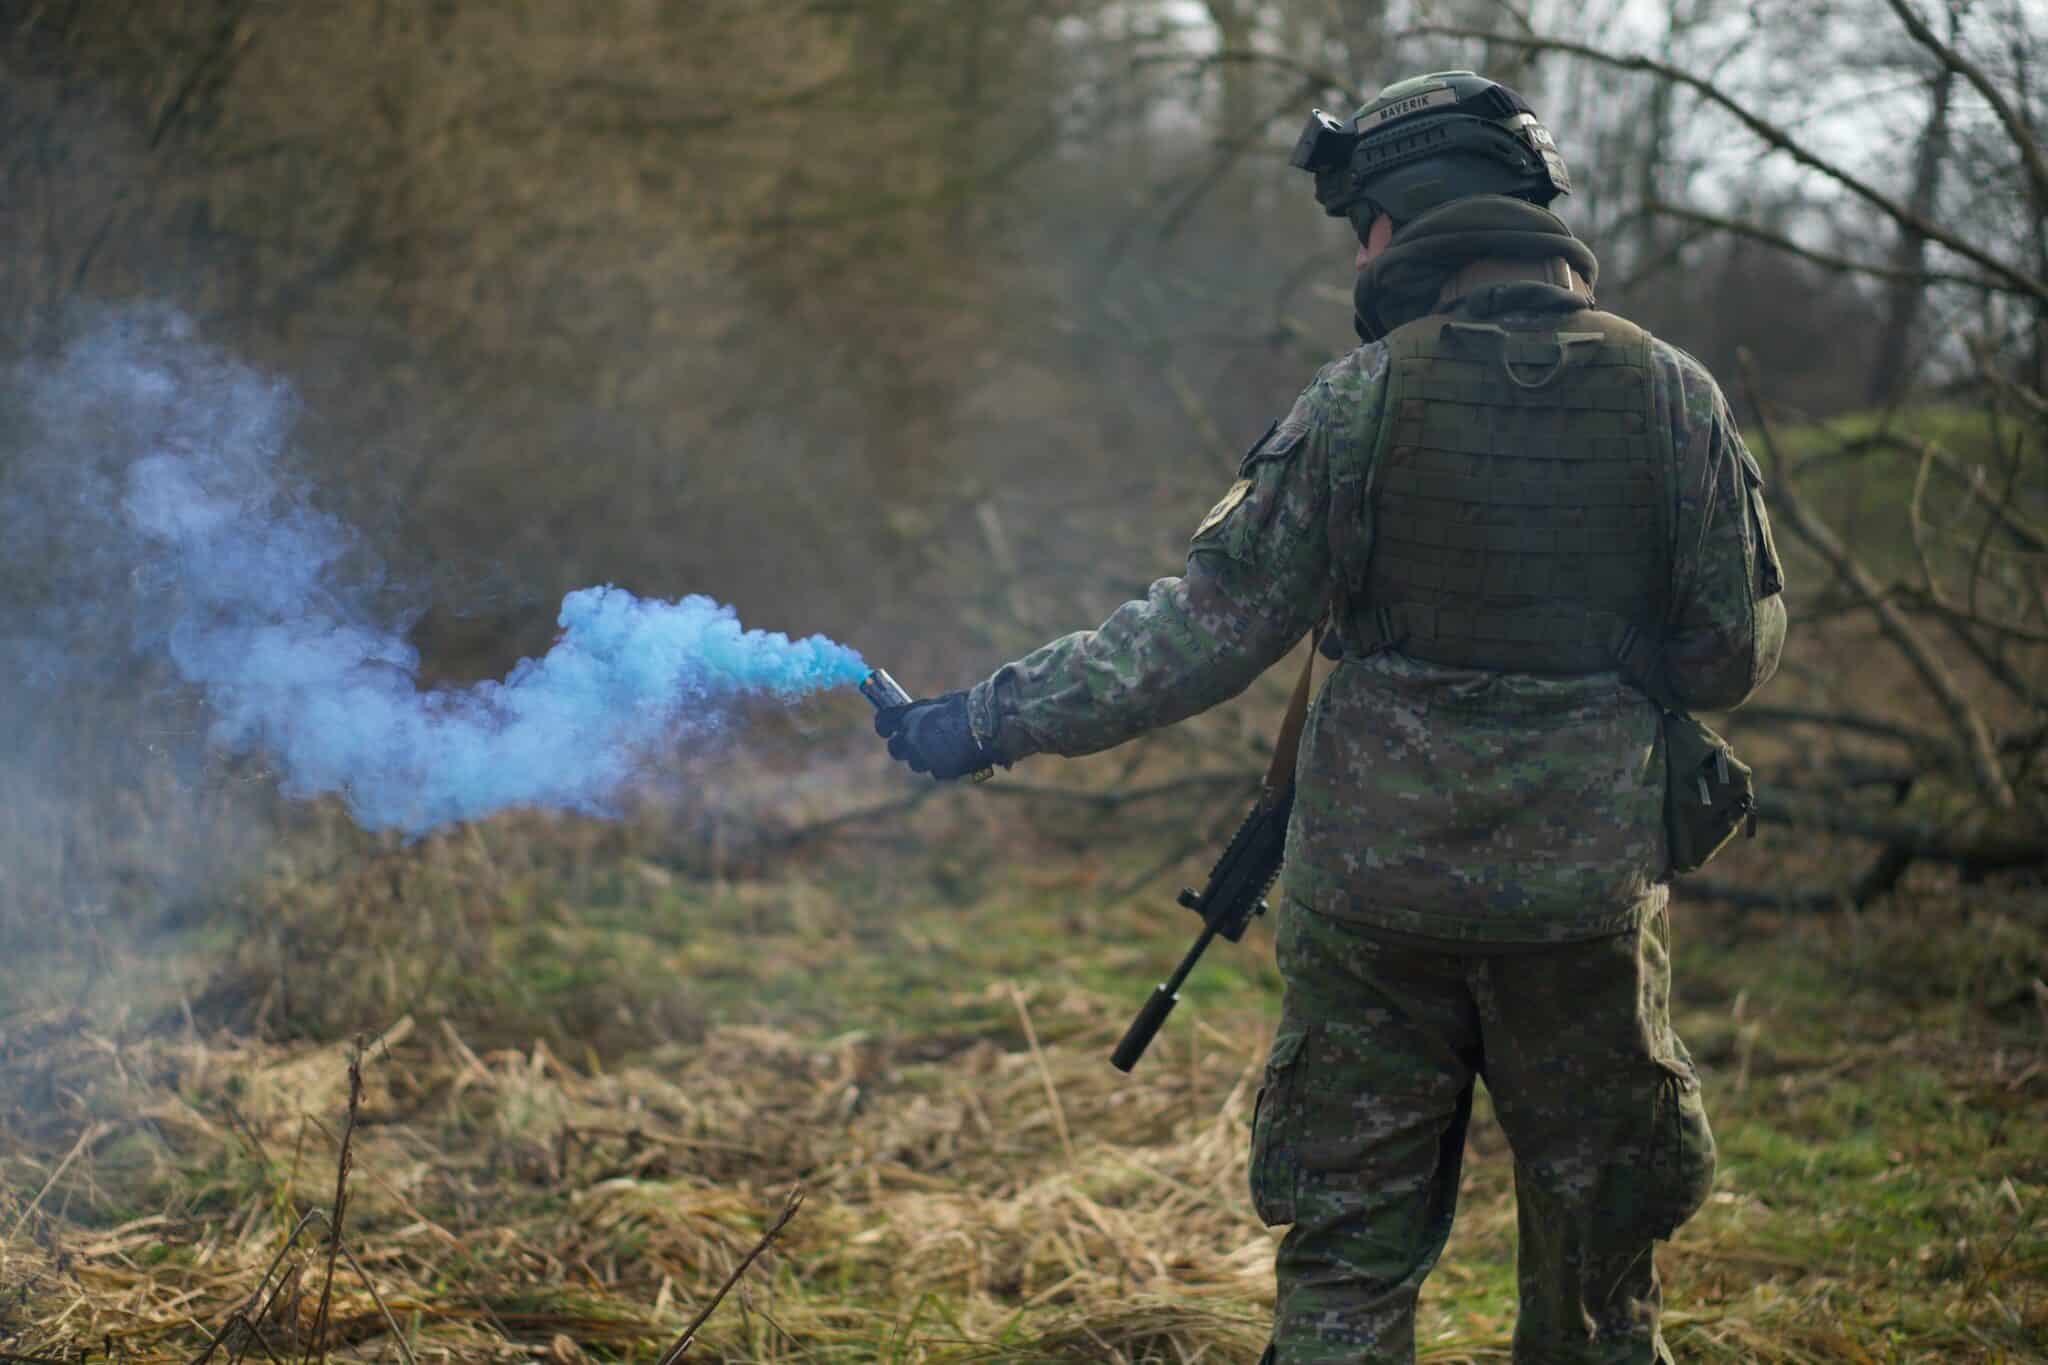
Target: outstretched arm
(1257,575)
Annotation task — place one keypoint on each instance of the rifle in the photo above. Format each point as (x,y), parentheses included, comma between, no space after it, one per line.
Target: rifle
(1236,890)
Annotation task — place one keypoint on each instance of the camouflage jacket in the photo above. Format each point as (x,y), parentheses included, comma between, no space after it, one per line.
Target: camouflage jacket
(1449,803)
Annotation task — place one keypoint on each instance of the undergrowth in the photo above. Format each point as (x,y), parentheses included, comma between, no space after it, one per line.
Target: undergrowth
(593,1076)
(597,1058)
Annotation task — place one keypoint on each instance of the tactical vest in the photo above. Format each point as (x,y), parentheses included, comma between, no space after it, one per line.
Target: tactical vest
(1519,497)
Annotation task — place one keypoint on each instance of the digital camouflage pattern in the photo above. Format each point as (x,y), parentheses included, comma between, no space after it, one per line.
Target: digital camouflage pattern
(1360,1126)
(1475,884)
(1451,803)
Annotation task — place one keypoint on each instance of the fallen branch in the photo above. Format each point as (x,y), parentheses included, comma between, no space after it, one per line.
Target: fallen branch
(1922,839)
(1749,898)
(1766,714)
(1970,728)
(1994,663)
(1114,800)
(794,1202)
(1934,454)
(902,805)
(1926,601)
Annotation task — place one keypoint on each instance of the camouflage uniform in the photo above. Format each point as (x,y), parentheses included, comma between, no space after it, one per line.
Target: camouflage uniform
(1475,884)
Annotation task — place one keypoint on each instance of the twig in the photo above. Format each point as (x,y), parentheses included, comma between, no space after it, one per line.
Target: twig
(790,1205)
(242,1313)
(1177,213)
(2018,280)
(1970,728)
(1129,886)
(403,1348)
(1052,1094)
(255,1331)
(2014,122)
(1779,242)
(2014,525)
(1920,838)
(900,806)
(2030,399)
(1251,56)
(1992,661)
(1114,800)
(1930,603)
(341,1165)
(1749,898)
(1837,720)
(85,1139)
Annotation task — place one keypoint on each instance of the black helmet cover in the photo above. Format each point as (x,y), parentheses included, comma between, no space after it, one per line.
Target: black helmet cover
(1426,141)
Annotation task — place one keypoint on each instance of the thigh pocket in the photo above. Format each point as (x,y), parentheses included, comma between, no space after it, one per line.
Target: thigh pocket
(1682,1147)
(1275,1168)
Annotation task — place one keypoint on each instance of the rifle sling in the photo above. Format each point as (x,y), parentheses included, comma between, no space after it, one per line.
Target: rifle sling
(1287,744)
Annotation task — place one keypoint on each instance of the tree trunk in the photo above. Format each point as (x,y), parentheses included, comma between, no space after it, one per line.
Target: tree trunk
(1907,297)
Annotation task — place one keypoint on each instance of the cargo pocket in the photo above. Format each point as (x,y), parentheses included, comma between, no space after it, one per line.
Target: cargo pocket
(1275,1167)
(1770,570)
(1682,1148)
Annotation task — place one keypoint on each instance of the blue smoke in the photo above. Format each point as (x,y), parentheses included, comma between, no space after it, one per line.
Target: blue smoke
(175,451)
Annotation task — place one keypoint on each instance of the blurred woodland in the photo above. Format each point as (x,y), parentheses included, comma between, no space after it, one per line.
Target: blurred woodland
(935,325)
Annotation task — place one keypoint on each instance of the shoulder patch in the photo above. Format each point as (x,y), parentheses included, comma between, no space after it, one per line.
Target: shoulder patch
(1225,507)
(1277,444)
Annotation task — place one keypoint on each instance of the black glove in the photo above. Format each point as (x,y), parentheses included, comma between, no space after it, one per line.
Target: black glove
(933,736)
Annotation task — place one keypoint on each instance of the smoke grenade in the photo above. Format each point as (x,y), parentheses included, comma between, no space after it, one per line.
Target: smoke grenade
(150,481)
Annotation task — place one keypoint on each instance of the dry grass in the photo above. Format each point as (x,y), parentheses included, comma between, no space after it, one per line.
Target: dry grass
(1878,1086)
(603,1056)
(505,1197)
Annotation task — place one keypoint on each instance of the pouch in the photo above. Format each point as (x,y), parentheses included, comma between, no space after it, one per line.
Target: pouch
(1709,793)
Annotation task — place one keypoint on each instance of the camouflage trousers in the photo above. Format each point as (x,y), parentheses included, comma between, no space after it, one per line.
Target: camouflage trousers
(1360,1128)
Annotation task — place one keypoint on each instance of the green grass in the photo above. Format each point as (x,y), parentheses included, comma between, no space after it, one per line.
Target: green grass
(1863,484)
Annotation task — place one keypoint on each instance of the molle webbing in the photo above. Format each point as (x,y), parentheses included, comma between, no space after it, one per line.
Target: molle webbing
(1518,497)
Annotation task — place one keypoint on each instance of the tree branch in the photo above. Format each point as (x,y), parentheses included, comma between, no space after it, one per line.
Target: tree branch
(1749,898)
(1939,458)
(1837,720)
(1251,56)
(2018,280)
(1823,259)
(1921,839)
(2015,125)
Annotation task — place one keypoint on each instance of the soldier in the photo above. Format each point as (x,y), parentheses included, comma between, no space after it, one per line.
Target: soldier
(1526,518)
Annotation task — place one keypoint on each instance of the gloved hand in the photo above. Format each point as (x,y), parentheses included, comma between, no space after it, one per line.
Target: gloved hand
(933,736)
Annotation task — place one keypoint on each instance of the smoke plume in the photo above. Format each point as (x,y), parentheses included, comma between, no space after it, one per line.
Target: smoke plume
(149,482)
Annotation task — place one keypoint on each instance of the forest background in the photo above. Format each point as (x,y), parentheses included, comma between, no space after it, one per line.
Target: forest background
(935,325)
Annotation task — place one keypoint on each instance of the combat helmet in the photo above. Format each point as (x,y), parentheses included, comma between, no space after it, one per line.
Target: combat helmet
(1426,141)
